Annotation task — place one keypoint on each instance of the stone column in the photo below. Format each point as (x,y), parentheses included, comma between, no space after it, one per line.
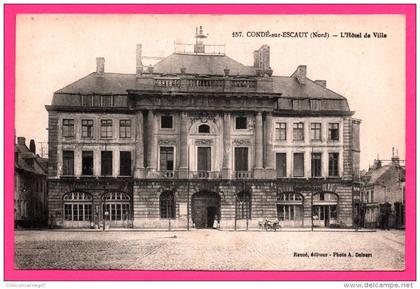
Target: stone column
(183,149)
(269,152)
(139,153)
(151,142)
(226,168)
(259,139)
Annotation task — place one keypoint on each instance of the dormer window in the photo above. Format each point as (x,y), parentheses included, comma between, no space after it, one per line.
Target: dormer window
(204,128)
(241,122)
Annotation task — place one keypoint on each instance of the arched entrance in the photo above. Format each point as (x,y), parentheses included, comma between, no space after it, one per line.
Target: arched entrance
(205,209)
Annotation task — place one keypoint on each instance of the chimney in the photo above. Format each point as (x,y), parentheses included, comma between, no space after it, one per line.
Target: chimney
(139,64)
(322,83)
(21,140)
(32,147)
(262,58)
(100,66)
(300,74)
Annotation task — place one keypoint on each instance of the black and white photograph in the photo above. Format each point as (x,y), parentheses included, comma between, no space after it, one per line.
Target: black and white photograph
(210,142)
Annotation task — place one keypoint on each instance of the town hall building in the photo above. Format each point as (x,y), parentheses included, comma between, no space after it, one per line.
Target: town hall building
(199,140)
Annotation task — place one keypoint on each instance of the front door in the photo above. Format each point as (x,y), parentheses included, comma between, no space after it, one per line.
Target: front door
(205,208)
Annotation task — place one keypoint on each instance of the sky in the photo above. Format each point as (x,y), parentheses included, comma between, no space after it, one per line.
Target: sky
(53,51)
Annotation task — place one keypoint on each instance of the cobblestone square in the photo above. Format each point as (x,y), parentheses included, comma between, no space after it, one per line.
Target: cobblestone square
(210,250)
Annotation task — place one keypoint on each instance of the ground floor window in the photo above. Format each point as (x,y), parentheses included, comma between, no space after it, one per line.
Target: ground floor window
(77,212)
(116,206)
(289,212)
(324,215)
(77,206)
(290,209)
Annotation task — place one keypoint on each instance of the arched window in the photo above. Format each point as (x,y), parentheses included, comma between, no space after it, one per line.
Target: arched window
(243,205)
(117,204)
(290,209)
(167,205)
(204,128)
(77,206)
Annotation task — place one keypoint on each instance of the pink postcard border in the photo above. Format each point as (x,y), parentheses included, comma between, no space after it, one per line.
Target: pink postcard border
(10,12)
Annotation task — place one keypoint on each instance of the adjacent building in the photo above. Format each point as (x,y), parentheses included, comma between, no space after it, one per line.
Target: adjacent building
(200,140)
(31,191)
(383,184)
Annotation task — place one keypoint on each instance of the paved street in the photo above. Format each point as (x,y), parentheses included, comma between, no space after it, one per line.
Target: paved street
(210,250)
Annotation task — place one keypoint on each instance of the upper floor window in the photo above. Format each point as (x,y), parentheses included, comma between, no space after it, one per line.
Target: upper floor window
(281,131)
(204,128)
(241,122)
(87,128)
(68,127)
(298,133)
(68,163)
(316,164)
(333,131)
(125,128)
(298,165)
(106,100)
(125,163)
(106,163)
(166,158)
(166,121)
(87,163)
(315,131)
(333,164)
(106,128)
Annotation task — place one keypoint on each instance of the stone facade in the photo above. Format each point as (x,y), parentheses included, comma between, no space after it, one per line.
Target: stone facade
(213,143)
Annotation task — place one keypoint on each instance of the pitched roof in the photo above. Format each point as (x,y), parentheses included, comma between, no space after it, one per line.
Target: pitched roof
(21,162)
(201,64)
(108,83)
(289,87)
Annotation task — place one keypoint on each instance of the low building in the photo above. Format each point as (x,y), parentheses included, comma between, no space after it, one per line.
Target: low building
(383,184)
(31,190)
(201,140)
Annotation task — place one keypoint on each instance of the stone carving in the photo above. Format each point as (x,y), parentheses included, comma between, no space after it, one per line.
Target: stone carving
(167,142)
(203,142)
(203,116)
(242,142)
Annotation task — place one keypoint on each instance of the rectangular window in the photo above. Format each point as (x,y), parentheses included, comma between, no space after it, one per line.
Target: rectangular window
(298,133)
(281,165)
(106,128)
(68,163)
(204,159)
(298,165)
(241,159)
(316,164)
(315,131)
(87,128)
(166,158)
(241,122)
(125,128)
(106,100)
(68,127)
(125,163)
(281,130)
(166,121)
(87,163)
(333,131)
(333,164)
(106,163)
